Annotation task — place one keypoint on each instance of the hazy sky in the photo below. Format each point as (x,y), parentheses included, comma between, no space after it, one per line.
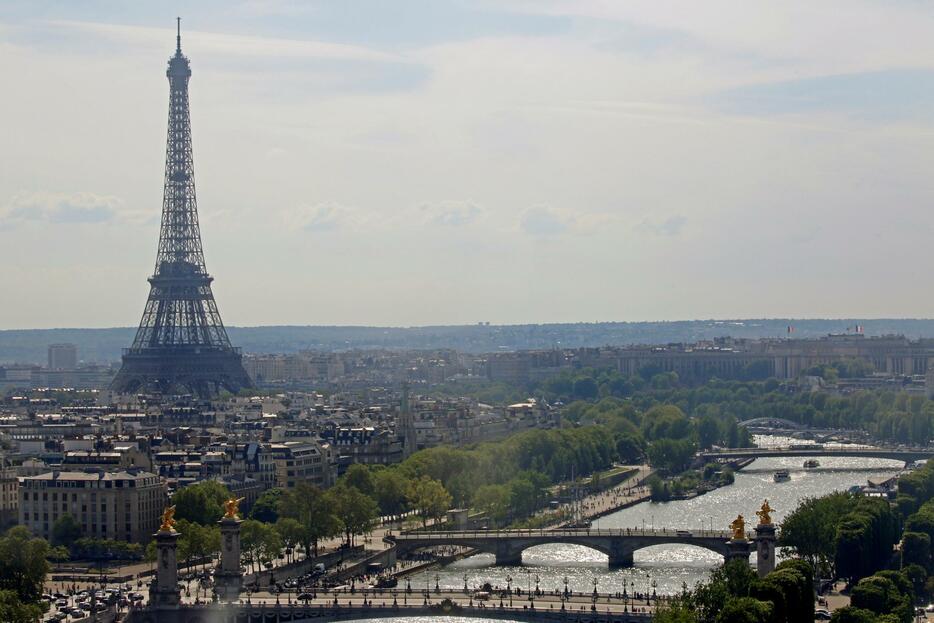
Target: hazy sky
(401,163)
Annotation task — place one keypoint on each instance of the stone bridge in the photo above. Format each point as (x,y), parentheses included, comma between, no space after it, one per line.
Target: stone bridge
(618,544)
(246,613)
(906,455)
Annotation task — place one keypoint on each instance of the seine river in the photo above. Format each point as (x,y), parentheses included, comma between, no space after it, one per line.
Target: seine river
(668,567)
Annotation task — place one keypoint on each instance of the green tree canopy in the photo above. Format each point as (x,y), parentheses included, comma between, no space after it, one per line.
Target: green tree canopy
(66,530)
(266,507)
(23,564)
(201,503)
(14,610)
(745,610)
(429,498)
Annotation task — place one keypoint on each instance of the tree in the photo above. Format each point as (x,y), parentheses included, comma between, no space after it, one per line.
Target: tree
(630,449)
(916,549)
(708,432)
(357,512)
(665,422)
(23,564)
(266,507)
(810,530)
(849,614)
(494,501)
(291,533)
(881,595)
(13,610)
(391,487)
(674,611)
(673,455)
(430,499)
(66,530)
(732,579)
(201,503)
(745,610)
(317,515)
(918,576)
(197,542)
(260,542)
(359,477)
(585,387)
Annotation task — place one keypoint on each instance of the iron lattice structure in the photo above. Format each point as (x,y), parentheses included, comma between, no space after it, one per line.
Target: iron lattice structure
(181,343)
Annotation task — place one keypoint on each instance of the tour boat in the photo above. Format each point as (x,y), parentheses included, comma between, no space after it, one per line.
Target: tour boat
(811,464)
(782,475)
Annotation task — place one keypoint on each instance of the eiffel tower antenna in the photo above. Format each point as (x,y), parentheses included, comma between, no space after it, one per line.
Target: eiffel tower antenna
(178,36)
(181,345)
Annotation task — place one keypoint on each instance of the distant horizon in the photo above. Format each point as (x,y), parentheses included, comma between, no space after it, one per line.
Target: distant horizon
(510,324)
(513,324)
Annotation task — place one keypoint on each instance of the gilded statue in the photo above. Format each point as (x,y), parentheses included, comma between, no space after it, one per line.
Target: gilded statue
(232,507)
(167,520)
(765,514)
(739,528)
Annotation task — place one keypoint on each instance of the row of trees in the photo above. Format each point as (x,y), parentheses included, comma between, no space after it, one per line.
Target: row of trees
(884,597)
(735,594)
(886,414)
(842,535)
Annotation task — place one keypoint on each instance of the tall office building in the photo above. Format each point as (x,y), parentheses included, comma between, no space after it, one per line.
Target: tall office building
(63,357)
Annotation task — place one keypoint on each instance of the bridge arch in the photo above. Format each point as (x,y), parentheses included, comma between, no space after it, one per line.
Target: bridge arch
(619,549)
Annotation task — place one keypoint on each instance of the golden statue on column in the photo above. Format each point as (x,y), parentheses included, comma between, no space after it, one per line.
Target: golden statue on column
(167,520)
(232,507)
(765,514)
(739,528)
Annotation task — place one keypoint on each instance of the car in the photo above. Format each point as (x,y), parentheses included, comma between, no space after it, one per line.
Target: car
(61,603)
(822,615)
(929,608)
(85,606)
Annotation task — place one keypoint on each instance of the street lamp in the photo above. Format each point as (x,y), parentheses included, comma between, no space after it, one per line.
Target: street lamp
(466,590)
(437,585)
(595,581)
(565,587)
(537,590)
(509,588)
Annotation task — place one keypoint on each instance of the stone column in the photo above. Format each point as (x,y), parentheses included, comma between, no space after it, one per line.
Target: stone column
(228,580)
(737,549)
(765,548)
(164,591)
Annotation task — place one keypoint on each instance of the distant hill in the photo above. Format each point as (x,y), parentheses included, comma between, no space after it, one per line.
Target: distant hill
(101,345)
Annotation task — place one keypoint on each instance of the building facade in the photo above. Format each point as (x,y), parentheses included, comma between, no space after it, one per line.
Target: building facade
(124,505)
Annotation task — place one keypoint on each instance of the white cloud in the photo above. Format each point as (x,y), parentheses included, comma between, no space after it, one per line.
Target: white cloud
(60,208)
(451,213)
(326,218)
(670,226)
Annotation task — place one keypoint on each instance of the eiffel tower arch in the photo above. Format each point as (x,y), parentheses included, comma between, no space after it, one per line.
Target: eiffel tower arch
(181,345)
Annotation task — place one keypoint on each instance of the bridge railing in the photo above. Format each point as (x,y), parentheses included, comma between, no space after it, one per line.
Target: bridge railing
(443,537)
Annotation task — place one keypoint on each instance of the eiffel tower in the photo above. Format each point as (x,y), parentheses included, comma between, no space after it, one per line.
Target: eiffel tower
(181,345)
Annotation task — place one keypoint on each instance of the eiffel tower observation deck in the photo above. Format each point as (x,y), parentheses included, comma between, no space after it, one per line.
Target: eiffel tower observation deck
(181,345)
